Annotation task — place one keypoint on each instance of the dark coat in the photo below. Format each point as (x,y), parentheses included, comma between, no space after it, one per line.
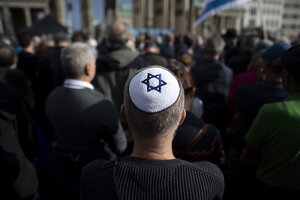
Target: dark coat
(113,70)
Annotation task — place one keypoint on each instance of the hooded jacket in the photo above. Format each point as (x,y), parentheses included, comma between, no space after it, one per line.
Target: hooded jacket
(113,70)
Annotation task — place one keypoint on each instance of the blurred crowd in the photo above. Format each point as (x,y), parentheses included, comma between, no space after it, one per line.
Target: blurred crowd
(238,91)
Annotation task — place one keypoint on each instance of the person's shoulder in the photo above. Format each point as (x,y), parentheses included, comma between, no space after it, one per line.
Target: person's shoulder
(98,95)
(92,171)
(248,89)
(59,91)
(274,109)
(225,68)
(208,169)
(14,72)
(91,168)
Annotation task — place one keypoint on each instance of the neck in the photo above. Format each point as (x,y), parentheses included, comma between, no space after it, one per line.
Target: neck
(29,49)
(208,57)
(84,78)
(63,44)
(273,79)
(160,149)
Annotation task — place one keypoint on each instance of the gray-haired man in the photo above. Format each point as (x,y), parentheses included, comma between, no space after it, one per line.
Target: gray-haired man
(154,107)
(85,122)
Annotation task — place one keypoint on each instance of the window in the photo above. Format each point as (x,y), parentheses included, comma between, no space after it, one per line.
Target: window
(253,11)
(252,23)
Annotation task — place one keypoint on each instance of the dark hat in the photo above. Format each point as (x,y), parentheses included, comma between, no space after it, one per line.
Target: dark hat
(274,52)
(291,59)
(230,33)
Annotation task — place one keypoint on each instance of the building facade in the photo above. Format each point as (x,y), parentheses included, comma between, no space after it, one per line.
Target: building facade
(16,15)
(291,19)
(179,16)
(264,13)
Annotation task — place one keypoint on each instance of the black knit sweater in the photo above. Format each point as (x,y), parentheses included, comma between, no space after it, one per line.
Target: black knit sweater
(139,179)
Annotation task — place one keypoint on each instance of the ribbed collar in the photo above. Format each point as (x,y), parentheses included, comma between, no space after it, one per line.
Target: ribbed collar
(150,163)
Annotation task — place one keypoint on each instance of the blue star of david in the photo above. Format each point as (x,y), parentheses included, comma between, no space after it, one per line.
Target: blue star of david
(150,87)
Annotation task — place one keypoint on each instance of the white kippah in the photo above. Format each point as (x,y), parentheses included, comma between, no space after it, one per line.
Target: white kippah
(154,89)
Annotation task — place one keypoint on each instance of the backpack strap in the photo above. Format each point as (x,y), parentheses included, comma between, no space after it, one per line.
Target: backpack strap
(181,153)
(109,175)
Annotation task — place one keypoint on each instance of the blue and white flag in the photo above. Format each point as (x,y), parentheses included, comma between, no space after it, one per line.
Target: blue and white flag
(212,7)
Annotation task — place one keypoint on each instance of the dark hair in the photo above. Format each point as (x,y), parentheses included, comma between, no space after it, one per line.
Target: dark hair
(149,44)
(174,65)
(276,66)
(61,37)
(291,62)
(189,40)
(7,55)
(24,38)
(186,80)
(186,59)
(169,37)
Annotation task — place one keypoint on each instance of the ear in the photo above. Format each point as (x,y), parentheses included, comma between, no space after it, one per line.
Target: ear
(123,114)
(194,91)
(14,65)
(87,69)
(183,115)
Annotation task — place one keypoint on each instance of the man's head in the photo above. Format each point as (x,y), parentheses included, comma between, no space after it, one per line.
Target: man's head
(231,38)
(153,104)
(270,60)
(151,47)
(118,34)
(25,39)
(7,56)
(291,69)
(213,47)
(169,38)
(61,39)
(78,61)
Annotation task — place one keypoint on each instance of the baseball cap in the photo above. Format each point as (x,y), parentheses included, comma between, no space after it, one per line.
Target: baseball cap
(274,52)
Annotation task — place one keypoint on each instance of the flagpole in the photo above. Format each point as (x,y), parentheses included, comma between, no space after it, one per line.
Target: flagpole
(263,25)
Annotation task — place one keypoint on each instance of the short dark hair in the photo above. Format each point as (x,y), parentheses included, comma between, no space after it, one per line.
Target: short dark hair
(150,44)
(169,37)
(276,67)
(291,62)
(189,40)
(80,36)
(61,37)
(24,38)
(7,55)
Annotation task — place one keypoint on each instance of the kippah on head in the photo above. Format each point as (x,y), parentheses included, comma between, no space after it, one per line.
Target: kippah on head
(154,89)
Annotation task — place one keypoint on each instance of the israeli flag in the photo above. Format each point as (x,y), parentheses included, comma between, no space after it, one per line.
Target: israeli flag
(212,7)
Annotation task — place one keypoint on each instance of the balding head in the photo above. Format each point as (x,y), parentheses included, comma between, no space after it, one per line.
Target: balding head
(7,55)
(118,34)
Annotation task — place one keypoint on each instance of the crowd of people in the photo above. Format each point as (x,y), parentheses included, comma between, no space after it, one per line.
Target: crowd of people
(176,117)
